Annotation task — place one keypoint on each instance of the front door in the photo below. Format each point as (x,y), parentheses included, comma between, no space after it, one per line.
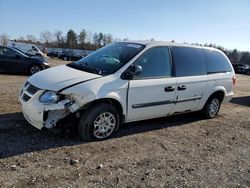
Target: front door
(152,93)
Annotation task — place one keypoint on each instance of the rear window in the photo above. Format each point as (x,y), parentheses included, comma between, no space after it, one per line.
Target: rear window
(189,61)
(216,62)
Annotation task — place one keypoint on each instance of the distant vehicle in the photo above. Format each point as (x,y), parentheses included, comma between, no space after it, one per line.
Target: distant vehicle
(27,48)
(128,81)
(15,61)
(67,56)
(53,54)
(242,68)
(30,55)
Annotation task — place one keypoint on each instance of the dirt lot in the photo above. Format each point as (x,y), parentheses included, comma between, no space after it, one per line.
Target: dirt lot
(179,151)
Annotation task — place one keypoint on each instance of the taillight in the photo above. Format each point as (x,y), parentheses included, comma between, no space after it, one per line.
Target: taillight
(234,80)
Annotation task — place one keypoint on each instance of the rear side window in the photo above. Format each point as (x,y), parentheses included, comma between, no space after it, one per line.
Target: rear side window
(216,62)
(189,61)
(7,52)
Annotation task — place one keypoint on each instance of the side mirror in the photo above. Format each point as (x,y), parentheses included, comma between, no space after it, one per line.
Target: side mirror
(137,69)
(131,72)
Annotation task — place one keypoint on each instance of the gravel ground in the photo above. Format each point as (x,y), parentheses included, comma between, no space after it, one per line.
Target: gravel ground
(179,151)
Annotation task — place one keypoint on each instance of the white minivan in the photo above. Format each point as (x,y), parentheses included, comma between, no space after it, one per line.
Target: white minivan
(128,81)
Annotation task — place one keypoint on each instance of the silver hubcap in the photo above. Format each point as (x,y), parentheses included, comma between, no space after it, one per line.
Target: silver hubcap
(35,69)
(104,125)
(213,107)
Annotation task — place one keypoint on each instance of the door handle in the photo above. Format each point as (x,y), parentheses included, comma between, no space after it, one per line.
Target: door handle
(169,88)
(182,87)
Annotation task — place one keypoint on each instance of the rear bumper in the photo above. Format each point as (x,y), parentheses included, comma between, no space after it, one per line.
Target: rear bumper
(228,97)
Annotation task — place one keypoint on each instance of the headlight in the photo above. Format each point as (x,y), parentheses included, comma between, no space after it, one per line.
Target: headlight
(49,97)
(45,63)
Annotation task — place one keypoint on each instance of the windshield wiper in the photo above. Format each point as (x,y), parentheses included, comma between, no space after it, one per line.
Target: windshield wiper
(83,67)
(96,70)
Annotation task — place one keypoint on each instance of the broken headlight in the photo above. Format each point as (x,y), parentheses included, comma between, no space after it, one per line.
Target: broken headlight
(49,97)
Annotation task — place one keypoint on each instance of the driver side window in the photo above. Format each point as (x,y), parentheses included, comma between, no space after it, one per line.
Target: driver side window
(155,62)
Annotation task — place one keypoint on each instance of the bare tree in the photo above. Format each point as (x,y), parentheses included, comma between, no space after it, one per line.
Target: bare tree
(31,38)
(89,37)
(109,38)
(21,39)
(46,36)
(58,36)
(4,39)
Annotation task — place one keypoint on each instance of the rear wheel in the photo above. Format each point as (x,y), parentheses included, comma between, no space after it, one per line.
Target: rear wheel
(99,123)
(212,107)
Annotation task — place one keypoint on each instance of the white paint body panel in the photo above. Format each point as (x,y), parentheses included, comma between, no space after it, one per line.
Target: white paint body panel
(150,91)
(59,77)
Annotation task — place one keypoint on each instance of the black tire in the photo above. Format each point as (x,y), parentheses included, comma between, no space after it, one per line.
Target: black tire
(34,69)
(212,107)
(86,127)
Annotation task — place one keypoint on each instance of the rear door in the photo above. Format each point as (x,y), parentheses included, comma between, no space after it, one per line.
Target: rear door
(191,76)
(152,93)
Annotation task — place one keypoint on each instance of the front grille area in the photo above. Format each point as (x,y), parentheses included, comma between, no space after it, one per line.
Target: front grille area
(28,91)
(26,83)
(32,89)
(26,97)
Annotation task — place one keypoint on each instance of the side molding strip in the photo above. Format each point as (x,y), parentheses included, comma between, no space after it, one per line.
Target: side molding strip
(142,105)
(189,99)
(152,104)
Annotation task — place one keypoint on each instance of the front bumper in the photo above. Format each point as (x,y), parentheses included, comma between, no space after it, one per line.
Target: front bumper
(38,114)
(34,115)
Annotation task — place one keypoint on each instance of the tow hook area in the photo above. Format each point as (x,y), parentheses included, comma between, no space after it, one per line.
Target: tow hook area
(53,117)
(53,113)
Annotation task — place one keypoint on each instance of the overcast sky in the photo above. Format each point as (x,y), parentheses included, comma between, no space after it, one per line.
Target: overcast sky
(223,22)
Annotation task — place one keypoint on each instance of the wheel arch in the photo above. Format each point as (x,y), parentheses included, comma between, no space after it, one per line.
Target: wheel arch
(218,93)
(112,101)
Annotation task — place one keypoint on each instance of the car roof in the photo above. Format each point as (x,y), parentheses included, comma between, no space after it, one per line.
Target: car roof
(163,43)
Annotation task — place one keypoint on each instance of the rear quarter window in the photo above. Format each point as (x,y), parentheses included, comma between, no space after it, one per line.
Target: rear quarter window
(216,62)
(189,61)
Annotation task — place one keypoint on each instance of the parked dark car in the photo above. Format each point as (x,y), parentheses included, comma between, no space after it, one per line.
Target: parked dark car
(67,56)
(15,61)
(53,54)
(242,68)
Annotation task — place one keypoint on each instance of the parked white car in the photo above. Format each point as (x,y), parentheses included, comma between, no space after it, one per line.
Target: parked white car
(27,48)
(126,82)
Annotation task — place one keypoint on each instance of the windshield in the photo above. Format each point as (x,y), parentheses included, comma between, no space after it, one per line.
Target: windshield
(109,59)
(20,52)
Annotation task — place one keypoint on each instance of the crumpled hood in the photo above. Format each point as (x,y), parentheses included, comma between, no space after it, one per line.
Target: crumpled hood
(59,77)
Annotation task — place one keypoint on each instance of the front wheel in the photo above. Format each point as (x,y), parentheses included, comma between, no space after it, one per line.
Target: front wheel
(99,123)
(34,69)
(212,107)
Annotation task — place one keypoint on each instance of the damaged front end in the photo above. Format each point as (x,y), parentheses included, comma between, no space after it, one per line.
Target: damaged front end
(45,108)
